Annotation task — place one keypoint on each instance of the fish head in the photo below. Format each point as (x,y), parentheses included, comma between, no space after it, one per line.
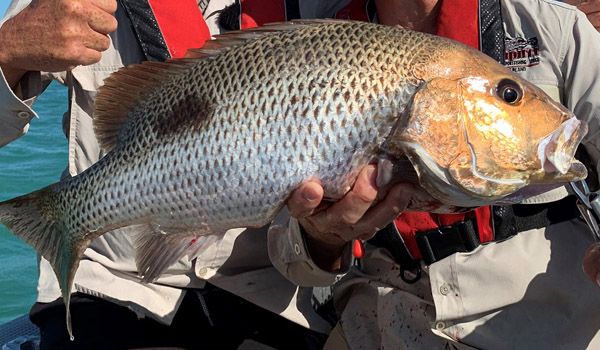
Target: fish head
(489,133)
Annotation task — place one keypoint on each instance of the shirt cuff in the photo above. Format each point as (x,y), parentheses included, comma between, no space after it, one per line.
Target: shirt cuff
(16,113)
(289,254)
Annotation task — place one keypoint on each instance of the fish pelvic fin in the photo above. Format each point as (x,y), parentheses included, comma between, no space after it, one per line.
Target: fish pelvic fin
(157,249)
(38,221)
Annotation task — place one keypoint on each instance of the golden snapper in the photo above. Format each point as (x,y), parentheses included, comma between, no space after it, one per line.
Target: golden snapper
(219,140)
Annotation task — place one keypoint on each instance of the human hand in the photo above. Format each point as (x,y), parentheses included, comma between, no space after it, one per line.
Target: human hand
(358,215)
(591,263)
(57,35)
(591,8)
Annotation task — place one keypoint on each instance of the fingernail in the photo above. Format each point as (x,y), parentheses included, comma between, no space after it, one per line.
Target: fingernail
(310,196)
(372,175)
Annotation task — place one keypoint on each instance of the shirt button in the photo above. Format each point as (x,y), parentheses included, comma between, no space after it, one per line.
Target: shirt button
(203,271)
(24,115)
(297,248)
(444,289)
(440,325)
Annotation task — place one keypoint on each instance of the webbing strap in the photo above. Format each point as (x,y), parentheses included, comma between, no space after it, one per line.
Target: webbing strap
(491,30)
(292,9)
(146,29)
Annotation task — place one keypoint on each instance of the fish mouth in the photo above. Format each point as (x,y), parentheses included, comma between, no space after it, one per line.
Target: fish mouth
(557,150)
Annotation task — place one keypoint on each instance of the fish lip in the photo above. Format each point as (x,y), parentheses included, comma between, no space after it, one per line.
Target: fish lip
(556,151)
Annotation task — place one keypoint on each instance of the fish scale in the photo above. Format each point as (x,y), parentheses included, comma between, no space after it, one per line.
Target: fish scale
(220,139)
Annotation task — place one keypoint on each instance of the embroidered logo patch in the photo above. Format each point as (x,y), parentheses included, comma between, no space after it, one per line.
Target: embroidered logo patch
(521,53)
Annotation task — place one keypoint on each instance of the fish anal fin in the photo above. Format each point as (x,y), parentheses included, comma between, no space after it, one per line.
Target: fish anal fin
(157,248)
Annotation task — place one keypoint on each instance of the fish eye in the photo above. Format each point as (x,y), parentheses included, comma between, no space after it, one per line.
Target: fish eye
(509,91)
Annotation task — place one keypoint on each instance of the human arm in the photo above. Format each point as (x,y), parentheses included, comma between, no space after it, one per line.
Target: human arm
(54,36)
(35,37)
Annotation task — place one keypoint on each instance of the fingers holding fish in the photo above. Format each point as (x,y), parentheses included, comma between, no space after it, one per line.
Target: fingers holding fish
(381,214)
(341,217)
(356,215)
(305,199)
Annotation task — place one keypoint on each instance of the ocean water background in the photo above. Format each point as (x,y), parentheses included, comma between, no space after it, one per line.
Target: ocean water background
(31,162)
(3,6)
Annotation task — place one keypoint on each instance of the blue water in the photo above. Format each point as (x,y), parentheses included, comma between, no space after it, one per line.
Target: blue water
(31,162)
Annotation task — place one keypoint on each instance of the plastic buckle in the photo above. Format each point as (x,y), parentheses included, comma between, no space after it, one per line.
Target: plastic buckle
(442,242)
(588,203)
(415,270)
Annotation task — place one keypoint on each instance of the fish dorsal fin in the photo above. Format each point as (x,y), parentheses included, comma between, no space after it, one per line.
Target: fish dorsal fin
(228,40)
(124,89)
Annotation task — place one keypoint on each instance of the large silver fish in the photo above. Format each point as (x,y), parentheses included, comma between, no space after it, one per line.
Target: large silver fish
(219,140)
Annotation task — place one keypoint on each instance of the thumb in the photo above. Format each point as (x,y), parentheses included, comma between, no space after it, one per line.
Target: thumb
(591,263)
(305,199)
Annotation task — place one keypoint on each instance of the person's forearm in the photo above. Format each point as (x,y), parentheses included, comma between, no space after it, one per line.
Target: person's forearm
(12,74)
(55,36)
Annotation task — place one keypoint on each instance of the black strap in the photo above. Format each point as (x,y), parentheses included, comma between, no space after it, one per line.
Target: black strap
(444,241)
(146,29)
(371,10)
(491,30)
(437,244)
(509,220)
(203,5)
(292,10)
(390,239)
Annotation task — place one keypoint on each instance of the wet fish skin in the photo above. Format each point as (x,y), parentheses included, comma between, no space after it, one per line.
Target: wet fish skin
(220,140)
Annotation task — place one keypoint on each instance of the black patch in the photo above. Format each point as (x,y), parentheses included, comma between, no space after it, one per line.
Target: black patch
(229,17)
(188,114)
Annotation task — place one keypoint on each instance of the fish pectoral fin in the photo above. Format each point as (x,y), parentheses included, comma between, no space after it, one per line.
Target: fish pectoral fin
(157,249)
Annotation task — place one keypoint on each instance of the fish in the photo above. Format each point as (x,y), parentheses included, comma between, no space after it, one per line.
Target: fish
(219,139)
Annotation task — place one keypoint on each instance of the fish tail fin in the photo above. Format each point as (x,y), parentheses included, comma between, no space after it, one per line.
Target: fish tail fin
(37,220)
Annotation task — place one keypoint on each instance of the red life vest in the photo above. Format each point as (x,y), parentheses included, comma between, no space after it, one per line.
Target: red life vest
(179,38)
(166,29)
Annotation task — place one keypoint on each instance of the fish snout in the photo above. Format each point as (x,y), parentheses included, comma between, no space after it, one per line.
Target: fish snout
(557,150)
